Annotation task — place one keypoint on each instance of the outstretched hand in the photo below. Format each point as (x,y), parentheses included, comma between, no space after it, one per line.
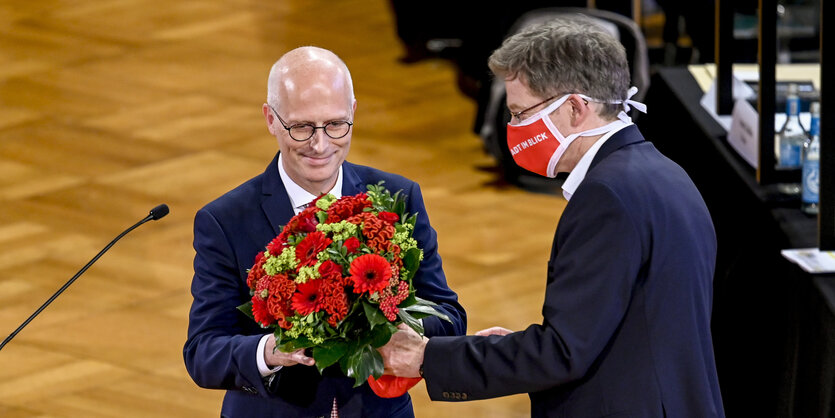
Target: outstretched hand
(403,354)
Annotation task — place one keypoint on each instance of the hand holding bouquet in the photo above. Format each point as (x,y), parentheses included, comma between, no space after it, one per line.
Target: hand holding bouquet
(338,279)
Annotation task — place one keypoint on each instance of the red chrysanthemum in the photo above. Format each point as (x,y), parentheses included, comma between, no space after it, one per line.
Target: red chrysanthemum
(307,219)
(389,217)
(309,297)
(312,244)
(304,221)
(352,244)
(370,273)
(276,246)
(328,268)
(260,311)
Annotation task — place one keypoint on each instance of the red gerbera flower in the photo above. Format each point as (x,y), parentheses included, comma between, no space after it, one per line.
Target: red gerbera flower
(260,311)
(370,273)
(308,297)
(312,244)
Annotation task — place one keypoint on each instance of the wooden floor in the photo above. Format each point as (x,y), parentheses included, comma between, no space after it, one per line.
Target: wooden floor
(110,107)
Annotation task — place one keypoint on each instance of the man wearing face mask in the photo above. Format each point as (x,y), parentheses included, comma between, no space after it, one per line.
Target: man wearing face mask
(626,318)
(310,111)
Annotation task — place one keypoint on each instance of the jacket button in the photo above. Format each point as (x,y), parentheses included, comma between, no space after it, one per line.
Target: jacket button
(445,395)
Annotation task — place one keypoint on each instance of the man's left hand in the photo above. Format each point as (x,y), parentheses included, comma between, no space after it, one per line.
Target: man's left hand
(403,354)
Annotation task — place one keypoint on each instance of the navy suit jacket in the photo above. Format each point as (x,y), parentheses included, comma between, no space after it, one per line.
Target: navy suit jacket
(222,343)
(628,299)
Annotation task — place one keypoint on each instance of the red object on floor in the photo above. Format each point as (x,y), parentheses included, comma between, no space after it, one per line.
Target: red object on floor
(388,386)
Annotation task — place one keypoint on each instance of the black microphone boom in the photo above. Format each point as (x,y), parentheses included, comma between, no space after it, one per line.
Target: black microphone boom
(155,214)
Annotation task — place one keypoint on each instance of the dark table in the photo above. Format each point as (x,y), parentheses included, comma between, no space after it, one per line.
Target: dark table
(773,324)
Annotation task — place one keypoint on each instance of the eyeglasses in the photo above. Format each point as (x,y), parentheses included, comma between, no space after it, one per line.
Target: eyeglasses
(518,114)
(304,131)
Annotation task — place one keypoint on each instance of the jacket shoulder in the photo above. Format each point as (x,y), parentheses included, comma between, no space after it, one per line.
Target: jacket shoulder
(232,200)
(370,175)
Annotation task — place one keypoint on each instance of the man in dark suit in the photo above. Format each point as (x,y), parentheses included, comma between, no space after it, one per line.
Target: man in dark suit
(309,90)
(626,318)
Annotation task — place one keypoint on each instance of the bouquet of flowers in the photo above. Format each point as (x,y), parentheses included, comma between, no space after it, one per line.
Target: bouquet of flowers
(338,280)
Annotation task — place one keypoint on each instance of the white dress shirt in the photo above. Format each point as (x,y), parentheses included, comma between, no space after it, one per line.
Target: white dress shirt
(572,182)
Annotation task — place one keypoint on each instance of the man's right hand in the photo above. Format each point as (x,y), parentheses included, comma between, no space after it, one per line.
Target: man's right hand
(275,358)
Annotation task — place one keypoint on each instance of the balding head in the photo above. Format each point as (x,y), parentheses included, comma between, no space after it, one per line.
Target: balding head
(311,87)
(305,68)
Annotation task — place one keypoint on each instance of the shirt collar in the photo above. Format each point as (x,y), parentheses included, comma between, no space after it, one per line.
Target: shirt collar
(572,182)
(299,197)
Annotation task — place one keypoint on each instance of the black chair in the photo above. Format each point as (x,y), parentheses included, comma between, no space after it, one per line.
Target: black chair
(496,116)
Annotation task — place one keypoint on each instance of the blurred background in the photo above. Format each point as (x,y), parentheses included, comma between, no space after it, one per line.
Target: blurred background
(110,107)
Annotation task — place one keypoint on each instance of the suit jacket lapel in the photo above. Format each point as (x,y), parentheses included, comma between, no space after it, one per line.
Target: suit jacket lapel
(351,182)
(274,200)
(626,136)
(276,203)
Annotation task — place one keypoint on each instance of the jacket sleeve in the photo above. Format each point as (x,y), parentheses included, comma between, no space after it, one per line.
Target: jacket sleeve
(430,282)
(589,289)
(218,352)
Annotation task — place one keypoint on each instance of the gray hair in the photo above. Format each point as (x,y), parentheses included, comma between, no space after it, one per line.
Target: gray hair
(570,54)
(310,56)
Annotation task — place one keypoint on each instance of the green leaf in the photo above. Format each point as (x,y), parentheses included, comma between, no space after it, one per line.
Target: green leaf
(246,308)
(409,301)
(412,219)
(426,310)
(411,261)
(295,344)
(363,363)
(373,314)
(411,321)
(381,335)
(329,353)
(322,216)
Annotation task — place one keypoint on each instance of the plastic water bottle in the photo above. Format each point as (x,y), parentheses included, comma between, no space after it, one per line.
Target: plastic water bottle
(792,136)
(811,165)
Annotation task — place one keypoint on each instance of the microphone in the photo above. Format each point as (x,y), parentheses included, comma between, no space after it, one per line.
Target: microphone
(155,214)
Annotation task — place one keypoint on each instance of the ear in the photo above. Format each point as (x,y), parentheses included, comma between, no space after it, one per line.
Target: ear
(580,110)
(354,109)
(269,118)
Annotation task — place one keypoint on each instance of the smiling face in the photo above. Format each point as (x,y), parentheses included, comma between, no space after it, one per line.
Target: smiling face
(312,89)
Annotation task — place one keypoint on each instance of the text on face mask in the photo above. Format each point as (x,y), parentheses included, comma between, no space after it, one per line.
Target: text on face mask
(528,143)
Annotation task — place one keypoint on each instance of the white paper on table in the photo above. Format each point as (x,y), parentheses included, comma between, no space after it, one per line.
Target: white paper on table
(744,135)
(812,260)
(741,91)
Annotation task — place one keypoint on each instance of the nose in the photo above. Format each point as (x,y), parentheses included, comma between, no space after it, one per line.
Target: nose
(319,141)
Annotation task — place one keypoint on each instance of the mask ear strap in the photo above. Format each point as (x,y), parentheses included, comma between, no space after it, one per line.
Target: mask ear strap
(623,115)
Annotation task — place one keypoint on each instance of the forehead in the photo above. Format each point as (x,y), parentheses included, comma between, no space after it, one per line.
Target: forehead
(519,96)
(314,93)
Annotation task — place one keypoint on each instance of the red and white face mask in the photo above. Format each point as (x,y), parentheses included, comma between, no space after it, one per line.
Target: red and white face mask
(537,145)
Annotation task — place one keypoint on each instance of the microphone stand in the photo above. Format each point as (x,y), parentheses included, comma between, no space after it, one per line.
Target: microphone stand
(156,213)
